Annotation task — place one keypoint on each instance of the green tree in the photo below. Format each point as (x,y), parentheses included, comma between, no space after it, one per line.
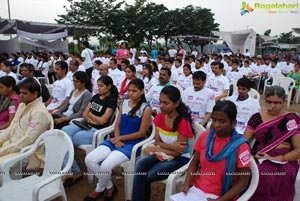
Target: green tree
(141,21)
(267,32)
(101,13)
(286,37)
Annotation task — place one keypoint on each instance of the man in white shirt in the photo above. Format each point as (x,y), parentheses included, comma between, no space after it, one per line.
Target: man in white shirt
(31,60)
(234,75)
(87,56)
(62,87)
(174,75)
(179,67)
(116,75)
(153,94)
(199,98)
(246,106)
(246,70)
(273,70)
(218,82)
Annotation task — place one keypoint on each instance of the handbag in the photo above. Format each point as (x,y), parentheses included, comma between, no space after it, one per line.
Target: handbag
(82,124)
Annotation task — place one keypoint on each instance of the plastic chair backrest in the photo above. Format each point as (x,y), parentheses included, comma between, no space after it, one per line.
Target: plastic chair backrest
(287,83)
(57,145)
(253,183)
(198,129)
(276,79)
(254,94)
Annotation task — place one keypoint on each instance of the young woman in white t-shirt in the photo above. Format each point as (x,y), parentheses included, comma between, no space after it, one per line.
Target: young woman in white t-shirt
(185,80)
(148,77)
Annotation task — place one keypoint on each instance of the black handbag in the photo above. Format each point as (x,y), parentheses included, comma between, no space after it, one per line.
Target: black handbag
(82,124)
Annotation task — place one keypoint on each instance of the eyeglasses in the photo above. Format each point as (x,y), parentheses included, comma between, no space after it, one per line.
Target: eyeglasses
(276,103)
(75,81)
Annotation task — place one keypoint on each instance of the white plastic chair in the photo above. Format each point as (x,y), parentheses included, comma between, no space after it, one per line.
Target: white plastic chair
(276,81)
(297,96)
(176,178)
(288,84)
(254,94)
(90,147)
(18,167)
(18,73)
(129,166)
(253,183)
(235,91)
(49,185)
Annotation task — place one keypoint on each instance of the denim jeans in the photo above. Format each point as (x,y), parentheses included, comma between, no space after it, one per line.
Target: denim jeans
(150,169)
(78,137)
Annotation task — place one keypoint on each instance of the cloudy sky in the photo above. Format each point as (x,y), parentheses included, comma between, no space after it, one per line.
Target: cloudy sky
(227,12)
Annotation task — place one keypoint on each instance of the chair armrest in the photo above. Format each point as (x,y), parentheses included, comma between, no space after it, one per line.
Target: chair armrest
(147,144)
(38,186)
(172,179)
(26,148)
(177,173)
(102,133)
(141,145)
(7,164)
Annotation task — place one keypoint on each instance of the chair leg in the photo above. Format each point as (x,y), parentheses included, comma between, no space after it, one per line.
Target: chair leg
(63,192)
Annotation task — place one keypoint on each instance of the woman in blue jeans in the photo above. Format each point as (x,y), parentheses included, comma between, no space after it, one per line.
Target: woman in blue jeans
(171,150)
(97,115)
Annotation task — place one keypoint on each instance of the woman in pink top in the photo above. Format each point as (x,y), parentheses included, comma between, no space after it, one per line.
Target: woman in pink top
(219,169)
(122,53)
(9,101)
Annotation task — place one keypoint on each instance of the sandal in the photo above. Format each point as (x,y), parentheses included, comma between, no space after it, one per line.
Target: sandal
(71,181)
(115,190)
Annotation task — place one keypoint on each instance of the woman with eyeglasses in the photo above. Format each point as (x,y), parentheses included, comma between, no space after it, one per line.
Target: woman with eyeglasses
(277,147)
(79,99)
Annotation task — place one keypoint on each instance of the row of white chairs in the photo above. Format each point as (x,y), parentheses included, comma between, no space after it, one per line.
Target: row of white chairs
(174,179)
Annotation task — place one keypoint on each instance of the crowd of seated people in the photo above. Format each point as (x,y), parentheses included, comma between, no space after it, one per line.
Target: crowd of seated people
(92,85)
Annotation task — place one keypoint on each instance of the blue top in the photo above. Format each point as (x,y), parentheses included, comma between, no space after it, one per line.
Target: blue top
(128,125)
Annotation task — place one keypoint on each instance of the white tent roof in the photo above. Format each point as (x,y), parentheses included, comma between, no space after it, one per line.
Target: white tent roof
(11,27)
(31,35)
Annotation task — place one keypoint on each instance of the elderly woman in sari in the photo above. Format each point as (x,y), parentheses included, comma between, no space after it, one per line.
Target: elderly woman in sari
(277,147)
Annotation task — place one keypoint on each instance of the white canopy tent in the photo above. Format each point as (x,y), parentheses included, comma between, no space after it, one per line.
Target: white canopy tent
(239,40)
(31,35)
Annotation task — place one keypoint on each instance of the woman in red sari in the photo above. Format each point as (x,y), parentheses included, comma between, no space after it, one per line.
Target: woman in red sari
(277,147)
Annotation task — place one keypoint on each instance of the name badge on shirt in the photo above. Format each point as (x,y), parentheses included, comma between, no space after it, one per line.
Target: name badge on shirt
(195,115)
(32,124)
(245,157)
(291,124)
